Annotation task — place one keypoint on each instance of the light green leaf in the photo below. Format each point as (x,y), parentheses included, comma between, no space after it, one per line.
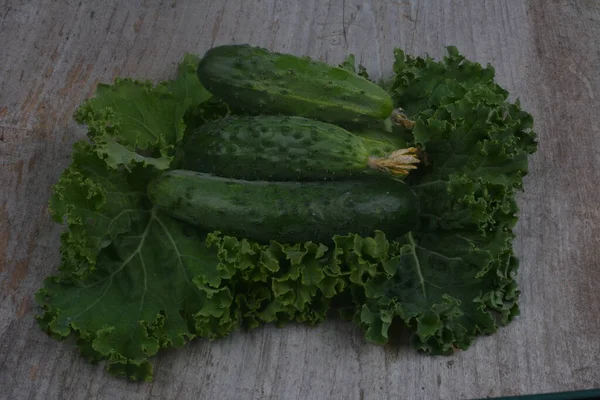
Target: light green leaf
(146,121)
(187,86)
(135,122)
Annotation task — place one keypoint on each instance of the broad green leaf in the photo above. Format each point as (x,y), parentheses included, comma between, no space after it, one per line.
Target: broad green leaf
(186,87)
(97,204)
(146,121)
(440,283)
(157,286)
(135,122)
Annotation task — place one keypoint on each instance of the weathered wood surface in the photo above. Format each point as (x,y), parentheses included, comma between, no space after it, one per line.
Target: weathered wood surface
(52,55)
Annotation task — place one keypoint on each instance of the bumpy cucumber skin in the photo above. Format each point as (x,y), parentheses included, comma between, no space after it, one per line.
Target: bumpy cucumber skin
(279,148)
(262,82)
(287,212)
(377,137)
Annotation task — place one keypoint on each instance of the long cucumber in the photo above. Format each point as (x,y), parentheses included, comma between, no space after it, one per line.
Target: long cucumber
(290,148)
(262,82)
(288,212)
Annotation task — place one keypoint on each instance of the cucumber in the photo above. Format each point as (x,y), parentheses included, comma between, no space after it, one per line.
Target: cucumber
(288,212)
(289,148)
(262,82)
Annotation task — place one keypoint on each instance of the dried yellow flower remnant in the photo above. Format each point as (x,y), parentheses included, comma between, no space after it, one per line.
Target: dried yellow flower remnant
(400,162)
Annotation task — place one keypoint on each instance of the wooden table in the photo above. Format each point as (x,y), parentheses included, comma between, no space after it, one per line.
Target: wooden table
(52,55)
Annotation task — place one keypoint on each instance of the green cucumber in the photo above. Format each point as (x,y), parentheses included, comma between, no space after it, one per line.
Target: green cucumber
(259,81)
(289,148)
(288,212)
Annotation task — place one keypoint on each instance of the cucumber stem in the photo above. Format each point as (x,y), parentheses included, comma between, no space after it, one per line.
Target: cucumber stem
(399,118)
(400,162)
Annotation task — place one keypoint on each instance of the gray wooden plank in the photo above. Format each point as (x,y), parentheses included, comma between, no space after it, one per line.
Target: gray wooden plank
(545,52)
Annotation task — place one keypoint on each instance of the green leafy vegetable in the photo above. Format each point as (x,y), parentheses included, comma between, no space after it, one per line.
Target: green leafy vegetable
(134,122)
(449,278)
(132,280)
(147,289)
(97,203)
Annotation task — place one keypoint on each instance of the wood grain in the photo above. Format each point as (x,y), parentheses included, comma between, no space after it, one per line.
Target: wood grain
(545,52)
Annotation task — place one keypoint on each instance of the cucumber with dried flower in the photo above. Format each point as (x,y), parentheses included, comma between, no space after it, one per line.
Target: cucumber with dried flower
(290,148)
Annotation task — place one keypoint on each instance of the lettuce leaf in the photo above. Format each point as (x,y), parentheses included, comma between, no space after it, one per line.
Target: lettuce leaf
(453,277)
(475,141)
(447,286)
(154,287)
(133,280)
(97,203)
(187,88)
(134,122)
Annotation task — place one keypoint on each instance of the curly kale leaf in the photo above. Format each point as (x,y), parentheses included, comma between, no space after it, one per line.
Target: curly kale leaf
(134,122)
(453,276)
